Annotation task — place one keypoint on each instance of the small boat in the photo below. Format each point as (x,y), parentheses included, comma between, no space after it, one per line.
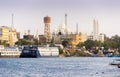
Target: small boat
(118,65)
(117,59)
(116,62)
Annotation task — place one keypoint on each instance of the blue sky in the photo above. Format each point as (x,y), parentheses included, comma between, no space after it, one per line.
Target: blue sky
(28,14)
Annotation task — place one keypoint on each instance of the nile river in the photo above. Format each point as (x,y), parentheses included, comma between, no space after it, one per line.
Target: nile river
(58,67)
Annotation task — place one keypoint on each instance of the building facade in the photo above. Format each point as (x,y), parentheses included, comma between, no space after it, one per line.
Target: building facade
(4,33)
(78,38)
(13,37)
(95,34)
(73,39)
(100,37)
(9,35)
(42,39)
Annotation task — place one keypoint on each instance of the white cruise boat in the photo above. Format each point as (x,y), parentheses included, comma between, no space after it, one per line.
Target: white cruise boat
(48,51)
(9,52)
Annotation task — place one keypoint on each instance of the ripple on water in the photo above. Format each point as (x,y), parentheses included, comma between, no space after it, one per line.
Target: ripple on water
(58,67)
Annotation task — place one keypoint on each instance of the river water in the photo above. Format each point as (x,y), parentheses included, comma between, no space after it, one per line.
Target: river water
(58,67)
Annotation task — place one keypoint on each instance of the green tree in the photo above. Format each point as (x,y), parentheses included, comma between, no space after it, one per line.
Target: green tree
(52,44)
(90,44)
(116,41)
(113,42)
(60,51)
(5,43)
(80,45)
(36,42)
(23,42)
(65,43)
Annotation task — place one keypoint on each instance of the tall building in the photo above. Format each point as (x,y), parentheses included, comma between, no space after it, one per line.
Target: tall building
(95,35)
(95,30)
(8,35)
(47,33)
(13,37)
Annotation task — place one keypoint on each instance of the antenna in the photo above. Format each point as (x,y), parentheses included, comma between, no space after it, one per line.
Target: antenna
(66,23)
(12,25)
(66,20)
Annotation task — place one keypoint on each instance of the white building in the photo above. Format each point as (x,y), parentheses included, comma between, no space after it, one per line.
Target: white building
(95,34)
(62,29)
(100,37)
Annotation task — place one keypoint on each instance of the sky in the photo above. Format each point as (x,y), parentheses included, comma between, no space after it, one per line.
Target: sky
(29,14)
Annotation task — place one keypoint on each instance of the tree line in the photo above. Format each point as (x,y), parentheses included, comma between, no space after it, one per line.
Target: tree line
(109,43)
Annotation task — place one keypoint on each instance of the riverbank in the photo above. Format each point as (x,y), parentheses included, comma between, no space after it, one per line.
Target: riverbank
(75,52)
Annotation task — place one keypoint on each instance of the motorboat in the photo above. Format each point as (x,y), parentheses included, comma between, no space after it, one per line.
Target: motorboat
(116,62)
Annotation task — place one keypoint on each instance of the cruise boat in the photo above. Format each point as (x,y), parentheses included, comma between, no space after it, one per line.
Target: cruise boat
(35,51)
(48,51)
(9,52)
